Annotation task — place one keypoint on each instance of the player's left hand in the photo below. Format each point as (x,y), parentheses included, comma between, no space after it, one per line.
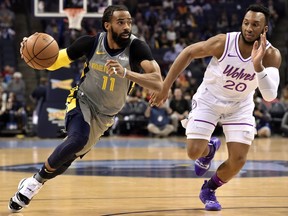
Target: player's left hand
(22,44)
(259,50)
(114,67)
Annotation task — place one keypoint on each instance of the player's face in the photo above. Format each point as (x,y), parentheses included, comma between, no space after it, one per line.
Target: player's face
(121,25)
(252,26)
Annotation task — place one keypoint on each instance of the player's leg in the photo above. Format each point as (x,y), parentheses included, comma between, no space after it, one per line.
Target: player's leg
(57,163)
(237,154)
(226,171)
(199,148)
(202,120)
(238,141)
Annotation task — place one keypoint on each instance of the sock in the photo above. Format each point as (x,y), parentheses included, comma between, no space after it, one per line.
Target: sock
(43,174)
(215,182)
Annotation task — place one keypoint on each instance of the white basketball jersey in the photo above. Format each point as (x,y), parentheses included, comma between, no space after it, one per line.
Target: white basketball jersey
(231,77)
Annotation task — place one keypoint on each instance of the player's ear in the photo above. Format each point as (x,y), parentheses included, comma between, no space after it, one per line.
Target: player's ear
(266,29)
(106,25)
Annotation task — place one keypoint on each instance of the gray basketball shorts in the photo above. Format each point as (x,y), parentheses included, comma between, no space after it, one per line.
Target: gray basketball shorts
(98,125)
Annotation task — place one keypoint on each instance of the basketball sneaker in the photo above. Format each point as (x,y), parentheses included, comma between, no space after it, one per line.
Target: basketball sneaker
(208,198)
(27,189)
(203,164)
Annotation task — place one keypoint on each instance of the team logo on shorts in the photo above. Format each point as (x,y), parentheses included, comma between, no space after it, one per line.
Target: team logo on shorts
(194,104)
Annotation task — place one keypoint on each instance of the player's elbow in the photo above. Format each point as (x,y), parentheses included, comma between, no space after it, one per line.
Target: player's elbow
(269,95)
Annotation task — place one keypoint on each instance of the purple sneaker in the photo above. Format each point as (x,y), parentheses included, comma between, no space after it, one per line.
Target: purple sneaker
(208,198)
(203,164)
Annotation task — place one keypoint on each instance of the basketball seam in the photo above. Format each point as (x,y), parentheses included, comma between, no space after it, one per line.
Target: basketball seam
(32,59)
(42,49)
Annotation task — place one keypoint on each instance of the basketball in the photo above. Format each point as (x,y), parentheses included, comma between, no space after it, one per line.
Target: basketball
(40,51)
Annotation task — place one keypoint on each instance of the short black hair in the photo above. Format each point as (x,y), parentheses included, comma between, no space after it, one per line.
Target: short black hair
(108,13)
(260,8)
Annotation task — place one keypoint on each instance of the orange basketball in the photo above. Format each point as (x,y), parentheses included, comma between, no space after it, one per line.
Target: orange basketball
(40,51)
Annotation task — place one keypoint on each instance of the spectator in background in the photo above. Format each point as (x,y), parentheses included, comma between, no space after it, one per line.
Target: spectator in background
(162,41)
(3,105)
(3,85)
(17,86)
(284,124)
(170,55)
(7,17)
(284,96)
(262,118)
(38,96)
(14,115)
(180,108)
(159,120)
(180,45)
(171,35)
(235,23)
(7,73)
(222,22)
(168,6)
(168,58)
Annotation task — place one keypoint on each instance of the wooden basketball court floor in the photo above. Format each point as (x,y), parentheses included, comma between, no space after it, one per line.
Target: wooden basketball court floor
(144,177)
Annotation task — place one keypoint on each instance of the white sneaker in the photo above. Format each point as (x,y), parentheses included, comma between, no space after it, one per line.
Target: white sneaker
(27,189)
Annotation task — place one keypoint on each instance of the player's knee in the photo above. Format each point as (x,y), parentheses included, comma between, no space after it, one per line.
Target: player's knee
(240,160)
(75,142)
(237,162)
(195,148)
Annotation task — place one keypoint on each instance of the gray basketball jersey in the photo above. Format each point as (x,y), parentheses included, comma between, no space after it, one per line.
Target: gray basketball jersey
(105,94)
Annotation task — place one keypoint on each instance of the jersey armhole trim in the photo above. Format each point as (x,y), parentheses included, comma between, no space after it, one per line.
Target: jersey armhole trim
(226,47)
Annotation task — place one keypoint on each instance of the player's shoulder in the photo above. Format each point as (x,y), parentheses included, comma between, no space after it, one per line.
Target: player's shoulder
(273,51)
(88,37)
(136,42)
(217,40)
(219,37)
(272,57)
(215,45)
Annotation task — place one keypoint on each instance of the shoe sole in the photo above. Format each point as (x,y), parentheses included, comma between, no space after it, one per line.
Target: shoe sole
(213,208)
(13,202)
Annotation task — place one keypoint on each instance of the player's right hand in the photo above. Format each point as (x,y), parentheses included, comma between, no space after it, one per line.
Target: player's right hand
(22,44)
(158,99)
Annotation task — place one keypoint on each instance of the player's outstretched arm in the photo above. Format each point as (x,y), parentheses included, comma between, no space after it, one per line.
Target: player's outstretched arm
(214,46)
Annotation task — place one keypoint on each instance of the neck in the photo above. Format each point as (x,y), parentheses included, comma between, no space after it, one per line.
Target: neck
(111,43)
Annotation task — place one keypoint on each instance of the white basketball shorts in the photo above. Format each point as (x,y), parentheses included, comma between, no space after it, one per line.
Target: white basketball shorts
(207,111)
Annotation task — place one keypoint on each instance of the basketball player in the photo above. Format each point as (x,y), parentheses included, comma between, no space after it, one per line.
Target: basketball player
(241,62)
(115,59)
